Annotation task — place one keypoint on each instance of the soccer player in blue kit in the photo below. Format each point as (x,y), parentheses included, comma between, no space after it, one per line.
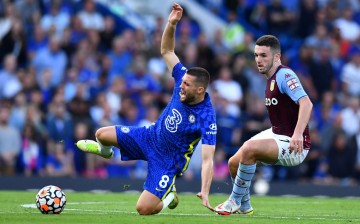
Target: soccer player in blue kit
(169,143)
(286,143)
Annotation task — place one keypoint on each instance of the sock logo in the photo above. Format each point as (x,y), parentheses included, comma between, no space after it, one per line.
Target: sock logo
(241,183)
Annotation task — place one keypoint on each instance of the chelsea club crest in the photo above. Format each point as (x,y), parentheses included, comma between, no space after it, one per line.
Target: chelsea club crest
(125,129)
(191,118)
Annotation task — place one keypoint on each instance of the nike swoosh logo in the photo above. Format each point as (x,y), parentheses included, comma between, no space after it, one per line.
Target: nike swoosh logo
(158,189)
(286,140)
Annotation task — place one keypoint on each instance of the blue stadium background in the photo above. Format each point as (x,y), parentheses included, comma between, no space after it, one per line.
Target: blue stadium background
(70,67)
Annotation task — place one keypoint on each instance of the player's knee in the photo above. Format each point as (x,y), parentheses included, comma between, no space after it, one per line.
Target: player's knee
(246,150)
(233,163)
(101,133)
(144,210)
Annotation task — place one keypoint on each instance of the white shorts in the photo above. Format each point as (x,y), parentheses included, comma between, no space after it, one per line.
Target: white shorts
(285,158)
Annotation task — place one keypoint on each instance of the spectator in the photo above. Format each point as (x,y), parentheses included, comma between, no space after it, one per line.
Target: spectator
(349,29)
(30,157)
(115,94)
(139,82)
(233,33)
(56,21)
(188,27)
(9,82)
(326,111)
(322,72)
(108,34)
(205,54)
(221,170)
(350,116)
(120,58)
(342,160)
(60,125)
(230,90)
(10,143)
(37,40)
(58,162)
(256,15)
(279,19)
(90,18)
(350,74)
(29,12)
(52,58)
(15,43)
(307,16)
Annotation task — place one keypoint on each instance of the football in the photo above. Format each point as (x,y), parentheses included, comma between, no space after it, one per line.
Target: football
(50,200)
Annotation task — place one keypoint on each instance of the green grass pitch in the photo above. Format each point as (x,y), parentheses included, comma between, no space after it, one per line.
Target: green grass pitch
(19,207)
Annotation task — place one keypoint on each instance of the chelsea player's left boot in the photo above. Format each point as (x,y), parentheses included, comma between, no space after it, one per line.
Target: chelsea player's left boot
(93,147)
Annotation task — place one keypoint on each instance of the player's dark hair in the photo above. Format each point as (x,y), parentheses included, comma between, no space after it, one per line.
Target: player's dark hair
(201,74)
(269,41)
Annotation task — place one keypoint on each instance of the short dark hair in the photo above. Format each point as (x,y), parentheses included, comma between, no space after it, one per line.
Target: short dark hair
(269,41)
(201,74)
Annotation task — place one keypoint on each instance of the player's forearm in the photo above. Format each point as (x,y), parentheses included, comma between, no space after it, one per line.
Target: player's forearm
(168,39)
(206,176)
(304,116)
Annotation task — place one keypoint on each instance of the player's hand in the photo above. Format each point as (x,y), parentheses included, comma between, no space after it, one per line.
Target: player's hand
(175,14)
(205,201)
(297,143)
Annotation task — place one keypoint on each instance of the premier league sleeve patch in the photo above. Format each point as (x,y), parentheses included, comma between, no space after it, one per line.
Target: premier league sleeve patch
(293,84)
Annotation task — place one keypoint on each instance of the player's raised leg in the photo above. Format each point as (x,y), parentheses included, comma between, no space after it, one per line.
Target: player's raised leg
(106,139)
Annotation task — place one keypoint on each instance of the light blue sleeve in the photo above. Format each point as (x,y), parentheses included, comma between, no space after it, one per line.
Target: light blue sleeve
(289,83)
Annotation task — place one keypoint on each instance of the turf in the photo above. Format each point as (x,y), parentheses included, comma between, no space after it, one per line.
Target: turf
(120,208)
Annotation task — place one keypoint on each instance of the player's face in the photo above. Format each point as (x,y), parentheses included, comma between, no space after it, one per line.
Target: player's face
(264,59)
(188,88)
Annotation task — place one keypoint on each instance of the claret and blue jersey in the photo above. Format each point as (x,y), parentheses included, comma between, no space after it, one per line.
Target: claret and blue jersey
(282,93)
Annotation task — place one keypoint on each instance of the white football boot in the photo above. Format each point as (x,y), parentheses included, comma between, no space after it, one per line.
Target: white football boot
(228,207)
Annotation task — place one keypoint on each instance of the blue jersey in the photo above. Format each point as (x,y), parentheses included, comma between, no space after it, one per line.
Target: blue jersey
(169,144)
(181,126)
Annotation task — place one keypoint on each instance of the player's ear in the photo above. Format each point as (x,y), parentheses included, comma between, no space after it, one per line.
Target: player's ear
(277,57)
(200,89)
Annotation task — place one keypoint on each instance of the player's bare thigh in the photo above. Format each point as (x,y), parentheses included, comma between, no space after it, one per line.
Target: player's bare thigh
(148,204)
(253,150)
(107,136)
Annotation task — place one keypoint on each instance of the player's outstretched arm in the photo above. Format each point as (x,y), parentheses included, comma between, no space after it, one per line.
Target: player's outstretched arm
(207,153)
(168,37)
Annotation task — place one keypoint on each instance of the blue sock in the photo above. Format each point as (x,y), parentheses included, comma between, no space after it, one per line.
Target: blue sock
(245,201)
(242,182)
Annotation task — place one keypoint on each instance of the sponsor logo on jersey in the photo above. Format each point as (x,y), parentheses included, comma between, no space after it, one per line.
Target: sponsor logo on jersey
(293,84)
(172,122)
(213,129)
(271,101)
(191,118)
(183,68)
(125,129)
(213,126)
(272,85)
(158,189)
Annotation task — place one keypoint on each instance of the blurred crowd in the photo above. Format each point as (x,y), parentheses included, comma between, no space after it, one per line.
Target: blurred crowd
(68,68)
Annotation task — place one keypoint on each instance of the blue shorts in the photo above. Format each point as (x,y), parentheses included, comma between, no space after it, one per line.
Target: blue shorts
(136,144)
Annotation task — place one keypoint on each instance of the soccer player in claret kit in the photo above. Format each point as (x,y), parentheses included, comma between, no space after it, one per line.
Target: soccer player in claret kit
(286,143)
(169,143)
